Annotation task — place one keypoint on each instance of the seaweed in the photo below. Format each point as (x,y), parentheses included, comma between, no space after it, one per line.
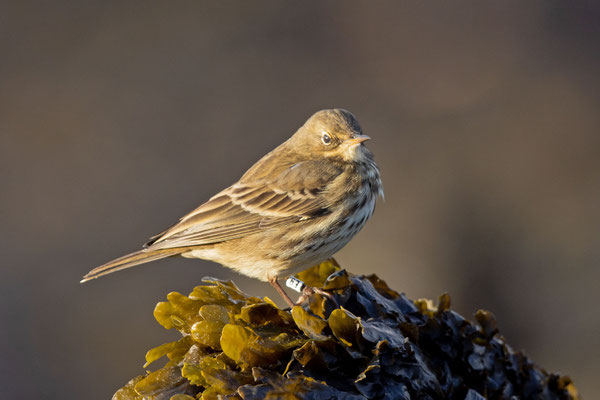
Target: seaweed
(366,341)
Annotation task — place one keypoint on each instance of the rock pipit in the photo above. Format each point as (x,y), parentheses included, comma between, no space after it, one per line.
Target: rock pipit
(295,208)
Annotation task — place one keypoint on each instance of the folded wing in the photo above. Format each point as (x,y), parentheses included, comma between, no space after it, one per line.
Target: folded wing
(249,207)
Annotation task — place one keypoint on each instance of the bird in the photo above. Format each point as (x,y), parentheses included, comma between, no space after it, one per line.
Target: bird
(294,208)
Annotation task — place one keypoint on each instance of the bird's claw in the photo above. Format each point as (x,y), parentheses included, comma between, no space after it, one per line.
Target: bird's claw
(308,291)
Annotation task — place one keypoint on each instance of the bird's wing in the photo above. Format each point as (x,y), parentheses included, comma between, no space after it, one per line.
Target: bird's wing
(249,207)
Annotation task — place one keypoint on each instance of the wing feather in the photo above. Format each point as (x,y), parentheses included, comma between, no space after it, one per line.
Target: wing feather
(246,207)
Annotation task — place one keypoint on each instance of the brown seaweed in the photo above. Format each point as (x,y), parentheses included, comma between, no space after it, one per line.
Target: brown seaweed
(370,343)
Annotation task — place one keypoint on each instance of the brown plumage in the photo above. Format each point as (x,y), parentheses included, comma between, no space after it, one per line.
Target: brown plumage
(296,207)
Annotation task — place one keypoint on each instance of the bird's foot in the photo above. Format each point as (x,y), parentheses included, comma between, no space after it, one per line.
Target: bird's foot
(308,291)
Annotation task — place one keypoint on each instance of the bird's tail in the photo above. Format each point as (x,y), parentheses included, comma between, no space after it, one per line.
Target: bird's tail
(131,260)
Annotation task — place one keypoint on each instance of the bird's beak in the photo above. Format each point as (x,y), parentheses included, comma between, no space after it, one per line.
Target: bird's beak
(358,139)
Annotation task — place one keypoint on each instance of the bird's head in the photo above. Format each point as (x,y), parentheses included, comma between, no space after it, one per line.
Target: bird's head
(333,133)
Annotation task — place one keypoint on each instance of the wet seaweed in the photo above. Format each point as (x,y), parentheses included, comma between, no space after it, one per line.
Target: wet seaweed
(366,342)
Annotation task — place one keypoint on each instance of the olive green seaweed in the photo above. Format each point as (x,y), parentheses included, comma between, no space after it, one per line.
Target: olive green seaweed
(366,341)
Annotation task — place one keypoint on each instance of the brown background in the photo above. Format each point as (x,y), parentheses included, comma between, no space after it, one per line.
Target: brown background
(116,119)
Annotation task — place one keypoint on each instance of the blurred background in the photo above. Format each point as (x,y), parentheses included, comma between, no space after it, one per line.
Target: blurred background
(116,119)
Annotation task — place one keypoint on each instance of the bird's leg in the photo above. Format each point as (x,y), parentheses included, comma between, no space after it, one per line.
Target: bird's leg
(282,293)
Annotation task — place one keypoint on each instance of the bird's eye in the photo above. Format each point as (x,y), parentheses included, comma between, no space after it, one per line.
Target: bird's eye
(326,139)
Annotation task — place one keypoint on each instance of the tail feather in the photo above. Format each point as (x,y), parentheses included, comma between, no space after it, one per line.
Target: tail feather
(130,260)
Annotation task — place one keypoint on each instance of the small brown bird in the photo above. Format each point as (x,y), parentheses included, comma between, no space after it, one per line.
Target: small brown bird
(295,208)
